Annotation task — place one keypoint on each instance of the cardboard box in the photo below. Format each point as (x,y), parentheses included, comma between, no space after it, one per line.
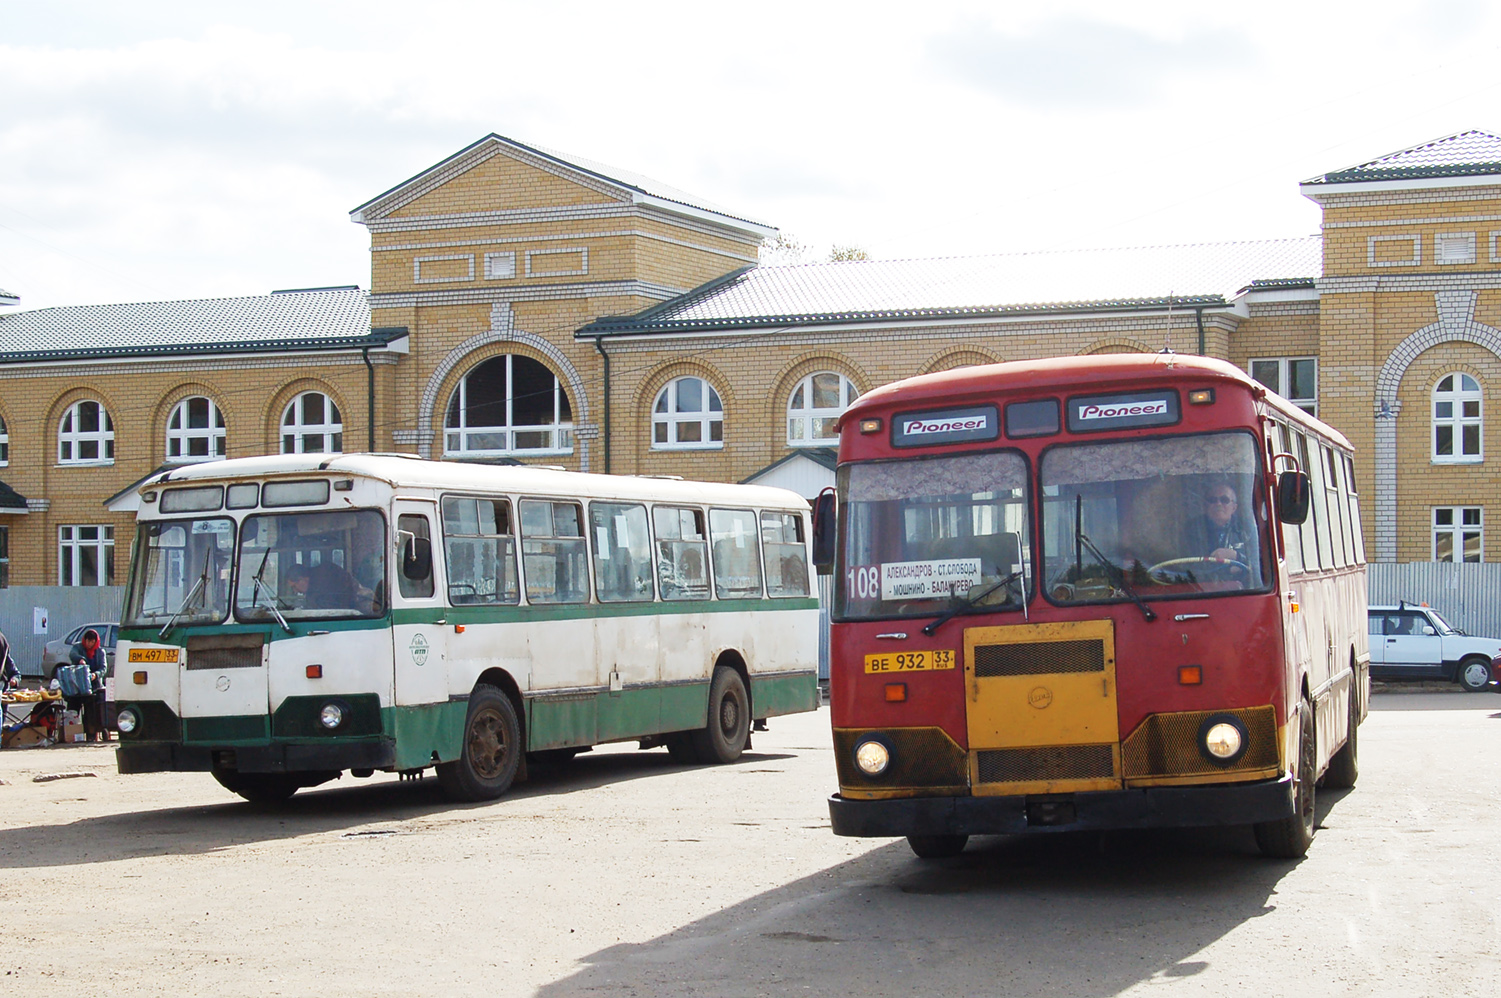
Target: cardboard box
(73,733)
(22,737)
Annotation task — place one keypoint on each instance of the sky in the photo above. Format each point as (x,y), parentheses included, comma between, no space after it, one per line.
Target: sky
(163,150)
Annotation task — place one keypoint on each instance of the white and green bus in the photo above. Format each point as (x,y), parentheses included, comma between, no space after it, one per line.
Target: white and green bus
(290,618)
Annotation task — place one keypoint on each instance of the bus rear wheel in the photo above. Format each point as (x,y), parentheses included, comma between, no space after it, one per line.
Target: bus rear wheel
(1344,768)
(1290,837)
(491,752)
(723,738)
(937,846)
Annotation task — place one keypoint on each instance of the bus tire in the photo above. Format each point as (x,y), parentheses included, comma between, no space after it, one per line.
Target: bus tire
(1290,837)
(258,788)
(1474,674)
(680,748)
(491,751)
(937,846)
(1344,768)
(723,738)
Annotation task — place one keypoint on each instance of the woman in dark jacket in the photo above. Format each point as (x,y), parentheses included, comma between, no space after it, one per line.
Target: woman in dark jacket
(89,652)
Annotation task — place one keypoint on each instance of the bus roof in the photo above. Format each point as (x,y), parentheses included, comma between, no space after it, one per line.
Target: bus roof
(1066,375)
(414,472)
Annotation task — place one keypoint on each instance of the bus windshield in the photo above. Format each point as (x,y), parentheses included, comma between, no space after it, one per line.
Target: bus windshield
(920,533)
(182,570)
(312,565)
(1153,516)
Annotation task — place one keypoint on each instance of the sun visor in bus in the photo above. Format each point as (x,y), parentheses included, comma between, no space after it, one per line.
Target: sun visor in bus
(1098,413)
(319,524)
(945,426)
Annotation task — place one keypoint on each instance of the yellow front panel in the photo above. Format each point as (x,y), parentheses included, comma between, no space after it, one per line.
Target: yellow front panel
(1041,709)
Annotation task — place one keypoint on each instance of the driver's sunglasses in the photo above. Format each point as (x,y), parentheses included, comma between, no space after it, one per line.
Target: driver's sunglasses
(1221,500)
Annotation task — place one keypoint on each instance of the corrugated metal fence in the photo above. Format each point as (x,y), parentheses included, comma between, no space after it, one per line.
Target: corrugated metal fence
(66,606)
(1468,595)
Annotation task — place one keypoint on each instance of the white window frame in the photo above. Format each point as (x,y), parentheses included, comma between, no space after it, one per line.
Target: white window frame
(558,433)
(4,443)
(293,425)
(70,440)
(183,435)
(802,418)
(1309,404)
(72,542)
(709,419)
(1457,529)
(1456,421)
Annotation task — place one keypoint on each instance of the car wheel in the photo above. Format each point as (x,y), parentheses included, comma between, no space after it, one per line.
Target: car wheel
(1474,674)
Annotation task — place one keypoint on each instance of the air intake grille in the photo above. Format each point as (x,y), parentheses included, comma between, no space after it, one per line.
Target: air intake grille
(1039,658)
(1060,762)
(225,651)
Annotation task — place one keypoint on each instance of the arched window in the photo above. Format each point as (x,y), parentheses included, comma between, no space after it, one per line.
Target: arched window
(1456,420)
(814,408)
(687,414)
(311,424)
(86,435)
(195,431)
(4,443)
(508,405)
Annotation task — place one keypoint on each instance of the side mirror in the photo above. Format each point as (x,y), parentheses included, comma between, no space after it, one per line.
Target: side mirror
(1428,630)
(417,558)
(823,532)
(1292,497)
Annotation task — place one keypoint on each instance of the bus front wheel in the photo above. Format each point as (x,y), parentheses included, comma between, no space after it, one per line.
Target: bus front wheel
(258,788)
(491,751)
(937,846)
(723,738)
(1290,837)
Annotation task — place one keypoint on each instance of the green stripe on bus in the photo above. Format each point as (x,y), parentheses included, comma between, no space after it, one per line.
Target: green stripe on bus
(775,695)
(425,731)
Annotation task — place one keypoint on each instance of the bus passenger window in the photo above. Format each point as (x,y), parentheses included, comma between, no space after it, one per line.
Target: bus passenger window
(682,552)
(622,552)
(786,554)
(480,545)
(552,552)
(737,558)
(417,526)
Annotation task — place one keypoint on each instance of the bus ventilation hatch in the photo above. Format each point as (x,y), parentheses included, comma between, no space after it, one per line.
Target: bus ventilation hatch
(1039,658)
(1060,762)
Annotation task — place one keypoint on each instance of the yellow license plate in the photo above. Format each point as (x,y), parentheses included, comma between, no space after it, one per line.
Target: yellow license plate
(910,661)
(153,654)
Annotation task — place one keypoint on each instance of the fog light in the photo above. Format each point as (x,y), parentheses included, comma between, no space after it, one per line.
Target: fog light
(872,757)
(126,721)
(331,716)
(1223,740)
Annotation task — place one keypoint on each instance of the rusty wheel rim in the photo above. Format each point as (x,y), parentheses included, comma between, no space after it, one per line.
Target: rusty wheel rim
(487,744)
(729,715)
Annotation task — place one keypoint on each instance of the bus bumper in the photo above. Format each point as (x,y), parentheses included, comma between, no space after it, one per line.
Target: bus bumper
(1150,807)
(288,757)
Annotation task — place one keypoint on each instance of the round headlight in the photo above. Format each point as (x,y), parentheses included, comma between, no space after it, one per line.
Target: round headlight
(872,757)
(331,716)
(1223,740)
(126,721)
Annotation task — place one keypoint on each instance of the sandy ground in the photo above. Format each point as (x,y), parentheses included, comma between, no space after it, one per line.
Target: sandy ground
(624,874)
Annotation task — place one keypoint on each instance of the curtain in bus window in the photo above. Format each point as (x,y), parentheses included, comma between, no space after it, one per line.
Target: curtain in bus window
(622,552)
(786,554)
(552,552)
(1158,516)
(682,552)
(918,534)
(480,545)
(737,555)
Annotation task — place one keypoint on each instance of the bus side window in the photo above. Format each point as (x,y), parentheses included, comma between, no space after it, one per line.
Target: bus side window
(417,526)
(786,554)
(1356,534)
(1315,544)
(479,543)
(622,552)
(1292,534)
(1339,533)
(552,552)
(737,555)
(682,552)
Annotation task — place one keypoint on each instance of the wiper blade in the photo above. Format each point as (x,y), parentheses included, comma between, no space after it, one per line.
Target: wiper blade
(1120,574)
(257,584)
(967,602)
(201,586)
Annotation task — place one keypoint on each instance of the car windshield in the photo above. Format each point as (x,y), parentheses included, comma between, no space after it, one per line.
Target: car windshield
(182,569)
(1152,517)
(919,533)
(312,565)
(1439,622)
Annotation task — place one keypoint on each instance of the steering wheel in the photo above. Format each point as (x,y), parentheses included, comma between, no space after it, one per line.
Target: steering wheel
(1171,562)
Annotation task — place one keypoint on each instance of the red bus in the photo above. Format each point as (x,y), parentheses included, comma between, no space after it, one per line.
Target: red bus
(1092,592)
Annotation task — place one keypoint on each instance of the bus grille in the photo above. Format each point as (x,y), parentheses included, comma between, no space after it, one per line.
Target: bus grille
(1168,744)
(225,651)
(920,757)
(1039,658)
(1057,762)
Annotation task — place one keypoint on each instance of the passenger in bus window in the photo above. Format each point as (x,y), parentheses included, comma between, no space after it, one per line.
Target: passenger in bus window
(1219,532)
(326,586)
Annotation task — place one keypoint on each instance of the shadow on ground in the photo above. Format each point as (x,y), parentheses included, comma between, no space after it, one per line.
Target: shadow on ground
(333,807)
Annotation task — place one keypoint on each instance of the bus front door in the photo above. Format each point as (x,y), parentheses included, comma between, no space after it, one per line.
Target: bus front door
(419,625)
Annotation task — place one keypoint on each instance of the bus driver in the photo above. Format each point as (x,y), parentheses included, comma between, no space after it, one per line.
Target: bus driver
(1218,532)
